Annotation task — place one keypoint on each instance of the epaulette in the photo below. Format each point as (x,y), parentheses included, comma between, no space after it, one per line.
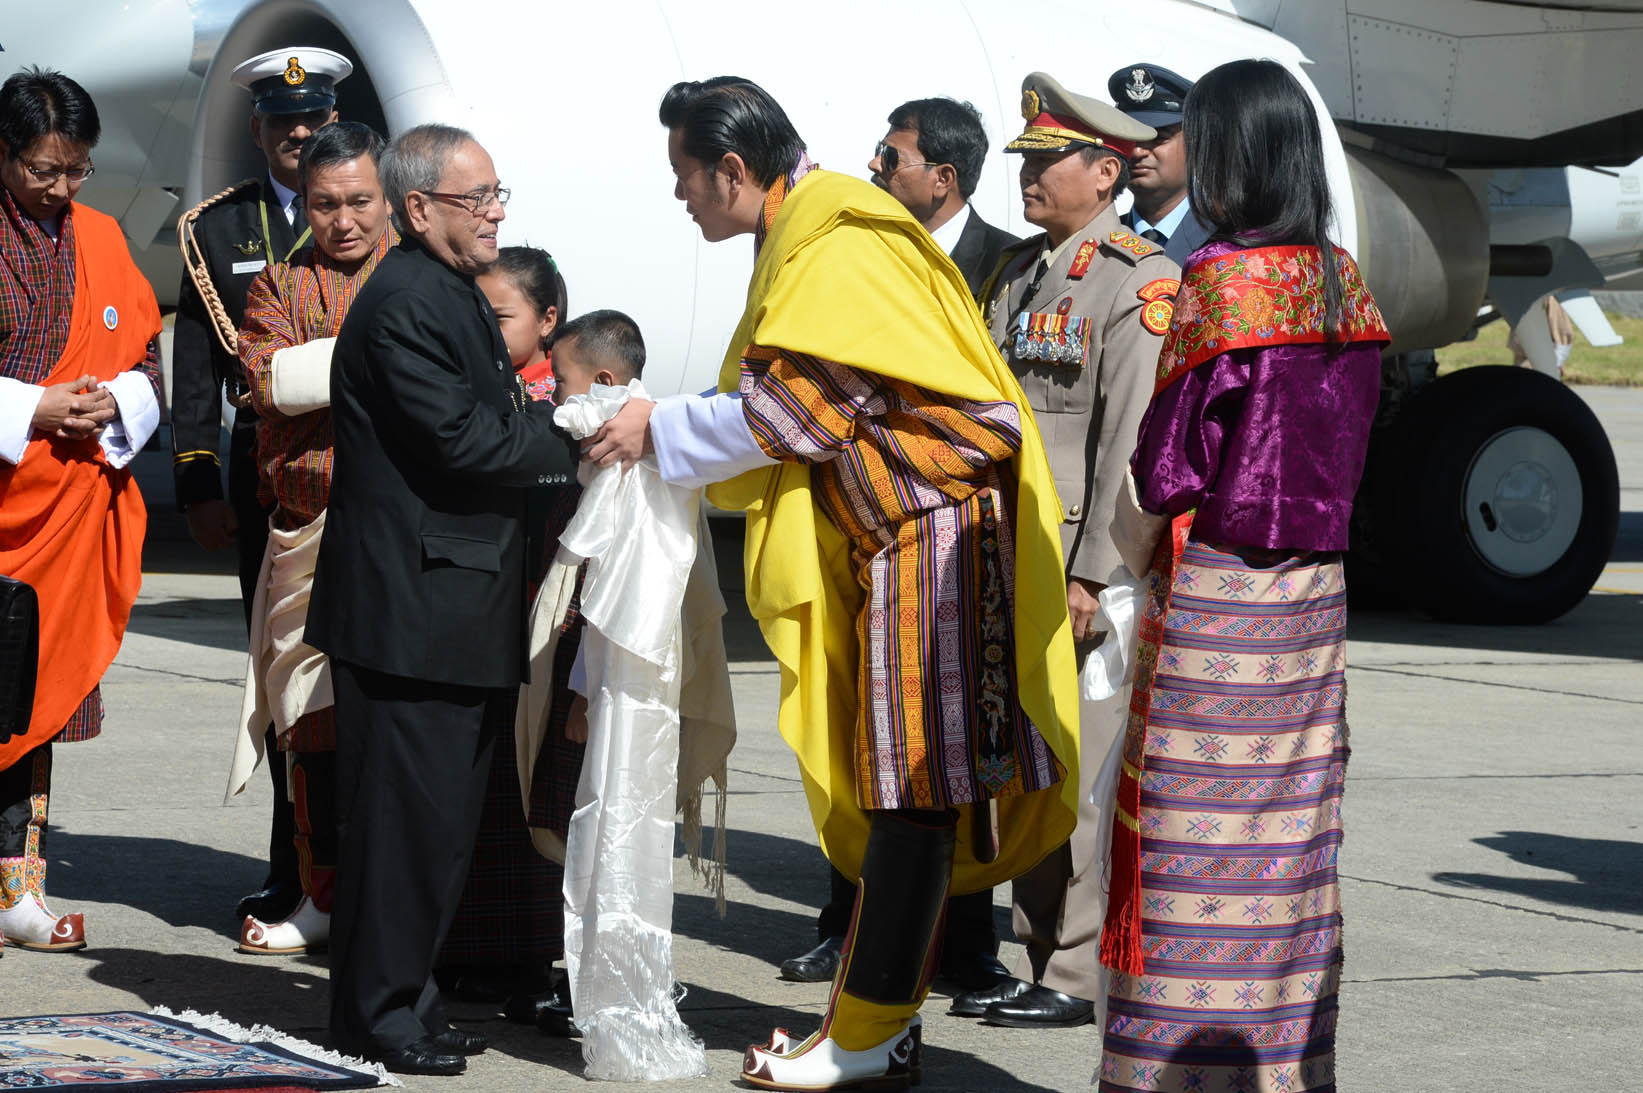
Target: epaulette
(217,198)
(1124,243)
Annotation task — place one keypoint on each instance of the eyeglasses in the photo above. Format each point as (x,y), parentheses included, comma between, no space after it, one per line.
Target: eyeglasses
(50,175)
(890,157)
(477,202)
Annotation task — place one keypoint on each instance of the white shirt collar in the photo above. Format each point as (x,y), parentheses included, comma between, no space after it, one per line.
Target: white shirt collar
(1171,222)
(287,198)
(947,235)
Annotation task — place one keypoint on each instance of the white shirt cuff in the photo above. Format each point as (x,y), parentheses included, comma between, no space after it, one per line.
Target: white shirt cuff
(138,417)
(703,439)
(578,679)
(18,401)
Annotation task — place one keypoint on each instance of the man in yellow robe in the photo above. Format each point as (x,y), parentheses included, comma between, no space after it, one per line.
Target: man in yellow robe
(902,555)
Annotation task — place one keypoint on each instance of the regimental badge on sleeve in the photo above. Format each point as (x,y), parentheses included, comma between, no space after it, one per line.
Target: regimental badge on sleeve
(1159,305)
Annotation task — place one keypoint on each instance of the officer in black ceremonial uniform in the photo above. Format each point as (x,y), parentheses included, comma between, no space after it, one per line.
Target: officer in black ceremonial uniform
(1162,213)
(226,242)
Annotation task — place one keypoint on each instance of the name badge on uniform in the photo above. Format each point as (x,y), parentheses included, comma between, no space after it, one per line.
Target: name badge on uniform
(254,266)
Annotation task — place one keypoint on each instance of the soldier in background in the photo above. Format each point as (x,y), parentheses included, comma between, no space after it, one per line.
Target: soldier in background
(227,240)
(1162,213)
(1079,312)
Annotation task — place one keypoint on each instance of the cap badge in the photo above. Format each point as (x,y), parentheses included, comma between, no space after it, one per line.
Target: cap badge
(1030,105)
(1140,87)
(294,74)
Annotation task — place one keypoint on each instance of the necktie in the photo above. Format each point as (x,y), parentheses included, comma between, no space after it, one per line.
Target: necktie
(299,219)
(1153,235)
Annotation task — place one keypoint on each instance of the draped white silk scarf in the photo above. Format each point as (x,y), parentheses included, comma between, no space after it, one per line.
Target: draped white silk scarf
(639,536)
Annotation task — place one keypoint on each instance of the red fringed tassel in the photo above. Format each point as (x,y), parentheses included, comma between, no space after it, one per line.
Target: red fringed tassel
(1121,933)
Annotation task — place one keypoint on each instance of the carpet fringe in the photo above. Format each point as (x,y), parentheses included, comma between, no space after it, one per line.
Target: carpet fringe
(265,1034)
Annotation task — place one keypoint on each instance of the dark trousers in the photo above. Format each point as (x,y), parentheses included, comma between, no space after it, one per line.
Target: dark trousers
(411,772)
(19,784)
(249,544)
(969,929)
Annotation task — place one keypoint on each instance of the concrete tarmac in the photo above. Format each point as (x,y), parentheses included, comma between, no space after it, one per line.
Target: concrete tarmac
(1492,872)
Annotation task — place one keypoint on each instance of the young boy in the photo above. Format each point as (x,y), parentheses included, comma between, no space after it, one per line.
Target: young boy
(653,671)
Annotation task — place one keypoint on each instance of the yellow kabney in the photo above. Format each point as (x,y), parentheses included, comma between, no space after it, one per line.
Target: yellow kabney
(846,274)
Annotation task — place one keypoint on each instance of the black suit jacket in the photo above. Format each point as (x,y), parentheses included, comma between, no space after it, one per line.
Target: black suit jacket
(229,233)
(979,247)
(421,570)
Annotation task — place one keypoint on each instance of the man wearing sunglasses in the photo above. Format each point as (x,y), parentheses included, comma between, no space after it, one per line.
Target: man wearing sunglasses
(228,240)
(419,591)
(931,162)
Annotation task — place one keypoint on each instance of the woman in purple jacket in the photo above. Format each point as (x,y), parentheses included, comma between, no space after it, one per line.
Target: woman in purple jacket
(1224,922)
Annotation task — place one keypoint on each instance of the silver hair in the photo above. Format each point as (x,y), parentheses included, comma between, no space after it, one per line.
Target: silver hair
(415,160)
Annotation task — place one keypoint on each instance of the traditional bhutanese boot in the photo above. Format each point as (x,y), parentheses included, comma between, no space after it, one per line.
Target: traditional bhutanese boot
(24,918)
(29,924)
(871,1037)
(306,930)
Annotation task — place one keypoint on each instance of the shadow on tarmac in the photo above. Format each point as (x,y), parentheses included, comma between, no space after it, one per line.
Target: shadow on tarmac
(1608,873)
(290,994)
(1602,625)
(217,623)
(1628,541)
(144,872)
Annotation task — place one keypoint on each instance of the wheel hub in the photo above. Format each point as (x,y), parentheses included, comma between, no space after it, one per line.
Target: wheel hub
(1523,501)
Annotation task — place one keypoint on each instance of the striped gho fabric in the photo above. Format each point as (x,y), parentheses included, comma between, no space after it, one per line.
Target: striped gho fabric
(291,303)
(912,480)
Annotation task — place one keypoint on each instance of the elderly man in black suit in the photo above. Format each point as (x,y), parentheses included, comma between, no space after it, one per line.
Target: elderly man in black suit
(419,593)
(930,161)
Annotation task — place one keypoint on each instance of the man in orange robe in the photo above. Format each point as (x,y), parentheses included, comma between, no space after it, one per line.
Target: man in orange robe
(79,397)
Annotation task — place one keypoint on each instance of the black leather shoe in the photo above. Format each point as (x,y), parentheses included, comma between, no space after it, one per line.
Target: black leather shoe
(456,1042)
(816,966)
(1040,1008)
(525,1008)
(556,1020)
(972,972)
(271,904)
(423,1057)
(975,1003)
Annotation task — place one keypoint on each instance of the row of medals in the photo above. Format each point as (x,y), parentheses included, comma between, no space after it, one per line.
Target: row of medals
(1054,339)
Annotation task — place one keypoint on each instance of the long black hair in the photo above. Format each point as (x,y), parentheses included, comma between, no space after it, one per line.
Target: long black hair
(730,114)
(1255,165)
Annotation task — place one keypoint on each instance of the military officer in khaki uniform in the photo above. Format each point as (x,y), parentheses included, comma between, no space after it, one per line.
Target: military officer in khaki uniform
(1079,311)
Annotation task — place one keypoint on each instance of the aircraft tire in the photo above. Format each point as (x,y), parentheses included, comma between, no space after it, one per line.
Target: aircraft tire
(1507,497)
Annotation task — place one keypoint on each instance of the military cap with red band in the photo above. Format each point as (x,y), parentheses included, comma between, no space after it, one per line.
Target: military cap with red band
(1057,120)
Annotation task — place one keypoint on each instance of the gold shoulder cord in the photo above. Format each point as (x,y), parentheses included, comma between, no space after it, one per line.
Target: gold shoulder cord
(194,263)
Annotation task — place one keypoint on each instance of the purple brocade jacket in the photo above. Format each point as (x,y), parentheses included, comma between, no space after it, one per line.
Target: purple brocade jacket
(1268,444)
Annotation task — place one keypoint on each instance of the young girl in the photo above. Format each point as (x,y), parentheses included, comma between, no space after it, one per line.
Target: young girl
(528,295)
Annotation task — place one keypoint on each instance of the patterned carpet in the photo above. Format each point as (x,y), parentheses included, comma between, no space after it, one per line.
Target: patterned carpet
(163,1053)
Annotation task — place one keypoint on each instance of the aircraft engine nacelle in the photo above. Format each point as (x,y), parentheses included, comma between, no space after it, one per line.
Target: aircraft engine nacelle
(1423,247)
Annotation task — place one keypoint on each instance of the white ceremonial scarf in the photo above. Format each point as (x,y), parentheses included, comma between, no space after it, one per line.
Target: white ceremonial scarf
(285,678)
(639,536)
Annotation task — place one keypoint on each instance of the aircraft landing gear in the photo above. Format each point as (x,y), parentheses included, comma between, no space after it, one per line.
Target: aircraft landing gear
(1494,498)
